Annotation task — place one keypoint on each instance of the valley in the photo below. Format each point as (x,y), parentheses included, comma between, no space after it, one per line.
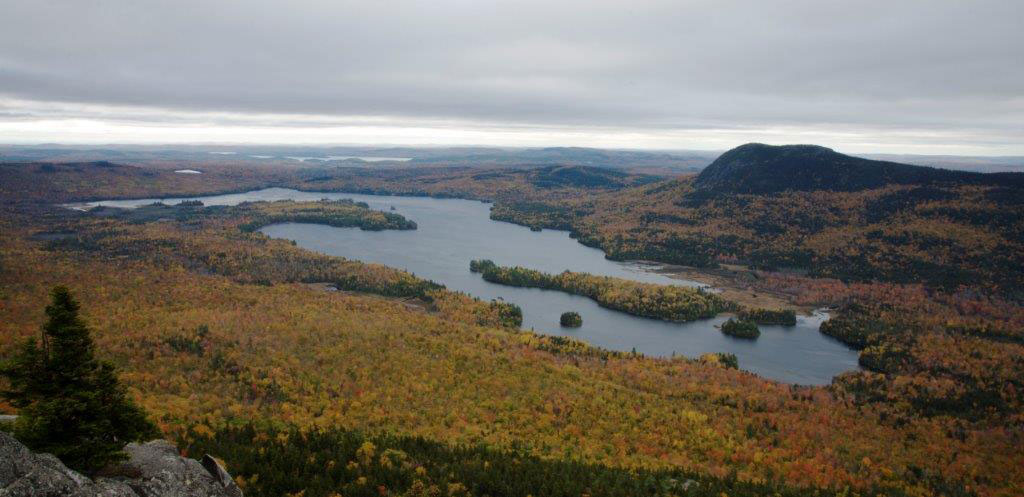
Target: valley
(218,315)
(556,248)
(453,232)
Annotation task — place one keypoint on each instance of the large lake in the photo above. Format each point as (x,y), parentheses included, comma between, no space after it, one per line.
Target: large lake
(452,232)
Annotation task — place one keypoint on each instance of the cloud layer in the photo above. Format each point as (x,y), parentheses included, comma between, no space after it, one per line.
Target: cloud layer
(906,75)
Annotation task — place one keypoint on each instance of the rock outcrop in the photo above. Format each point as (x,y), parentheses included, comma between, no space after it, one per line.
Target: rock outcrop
(153,469)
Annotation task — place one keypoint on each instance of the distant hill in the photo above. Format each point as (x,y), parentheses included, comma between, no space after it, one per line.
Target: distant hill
(79,181)
(549,177)
(758,168)
(668,163)
(980,164)
(583,177)
(690,161)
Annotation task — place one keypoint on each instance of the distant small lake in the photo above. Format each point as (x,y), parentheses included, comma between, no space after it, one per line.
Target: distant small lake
(452,232)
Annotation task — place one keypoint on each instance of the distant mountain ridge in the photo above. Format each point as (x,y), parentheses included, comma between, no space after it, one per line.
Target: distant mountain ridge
(583,177)
(758,169)
(669,161)
(689,161)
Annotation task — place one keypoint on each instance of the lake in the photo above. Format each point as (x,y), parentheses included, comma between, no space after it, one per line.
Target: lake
(452,232)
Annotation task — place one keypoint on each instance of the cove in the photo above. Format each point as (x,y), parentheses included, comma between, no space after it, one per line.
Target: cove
(452,232)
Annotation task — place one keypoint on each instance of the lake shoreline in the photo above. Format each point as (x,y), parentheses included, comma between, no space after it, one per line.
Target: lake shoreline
(455,231)
(730,283)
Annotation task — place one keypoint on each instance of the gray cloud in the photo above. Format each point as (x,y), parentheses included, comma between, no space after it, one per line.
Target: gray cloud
(947,66)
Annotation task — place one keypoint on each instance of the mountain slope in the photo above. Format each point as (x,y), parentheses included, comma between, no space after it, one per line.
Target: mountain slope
(808,208)
(757,168)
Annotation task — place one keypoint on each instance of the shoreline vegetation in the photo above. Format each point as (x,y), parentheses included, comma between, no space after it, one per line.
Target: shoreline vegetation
(225,240)
(667,217)
(342,213)
(570,319)
(784,317)
(936,412)
(665,302)
(943,229)
(741,328)
(735,283)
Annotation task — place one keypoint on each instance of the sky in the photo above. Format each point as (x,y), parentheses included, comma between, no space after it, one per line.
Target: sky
(906,76)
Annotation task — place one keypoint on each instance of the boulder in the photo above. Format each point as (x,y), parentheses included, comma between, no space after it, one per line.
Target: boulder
(155,468)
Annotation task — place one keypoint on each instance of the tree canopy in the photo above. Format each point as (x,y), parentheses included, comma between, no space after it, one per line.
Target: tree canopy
(70,403)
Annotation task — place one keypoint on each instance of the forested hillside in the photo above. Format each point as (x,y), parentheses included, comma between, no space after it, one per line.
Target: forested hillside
(202,350)
(217,326)
(812,210)
(414,466)
(67,181)
(760,169)
(471,182)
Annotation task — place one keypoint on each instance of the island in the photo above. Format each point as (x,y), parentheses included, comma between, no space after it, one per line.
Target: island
(571,319)
(741,329)
(667,302)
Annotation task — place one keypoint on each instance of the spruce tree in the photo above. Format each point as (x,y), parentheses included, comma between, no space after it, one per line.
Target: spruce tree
(70,404)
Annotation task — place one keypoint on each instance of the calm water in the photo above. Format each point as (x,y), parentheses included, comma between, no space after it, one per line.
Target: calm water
(452,232)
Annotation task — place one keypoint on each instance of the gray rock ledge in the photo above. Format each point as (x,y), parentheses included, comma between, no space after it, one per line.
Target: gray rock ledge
(155,467)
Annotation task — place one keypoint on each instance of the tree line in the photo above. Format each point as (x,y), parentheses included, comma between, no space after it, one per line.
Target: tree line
(276,461)
(667,302)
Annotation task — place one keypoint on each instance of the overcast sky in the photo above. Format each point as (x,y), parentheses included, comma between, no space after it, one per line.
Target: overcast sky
(902,76)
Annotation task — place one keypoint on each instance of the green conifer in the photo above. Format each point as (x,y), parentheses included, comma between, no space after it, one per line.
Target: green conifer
(70,404)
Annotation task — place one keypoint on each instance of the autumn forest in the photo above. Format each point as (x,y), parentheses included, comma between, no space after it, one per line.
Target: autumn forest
(318,375)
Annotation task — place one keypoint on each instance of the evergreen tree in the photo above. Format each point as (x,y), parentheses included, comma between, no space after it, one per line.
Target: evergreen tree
(571,319)
(70,404)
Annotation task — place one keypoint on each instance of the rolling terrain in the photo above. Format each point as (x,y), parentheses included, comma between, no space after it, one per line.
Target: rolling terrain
(231,339)
(809,209)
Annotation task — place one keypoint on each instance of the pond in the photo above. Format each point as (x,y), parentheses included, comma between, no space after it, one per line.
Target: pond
(452,232)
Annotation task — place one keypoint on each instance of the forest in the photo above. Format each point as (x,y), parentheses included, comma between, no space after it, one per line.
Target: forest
(903,224)
(234,340)
(333,461)
(342,213)
(942,236)
(668,302)
(740,328)
(785,317)
(339,213)
(909,225)
(570,319)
